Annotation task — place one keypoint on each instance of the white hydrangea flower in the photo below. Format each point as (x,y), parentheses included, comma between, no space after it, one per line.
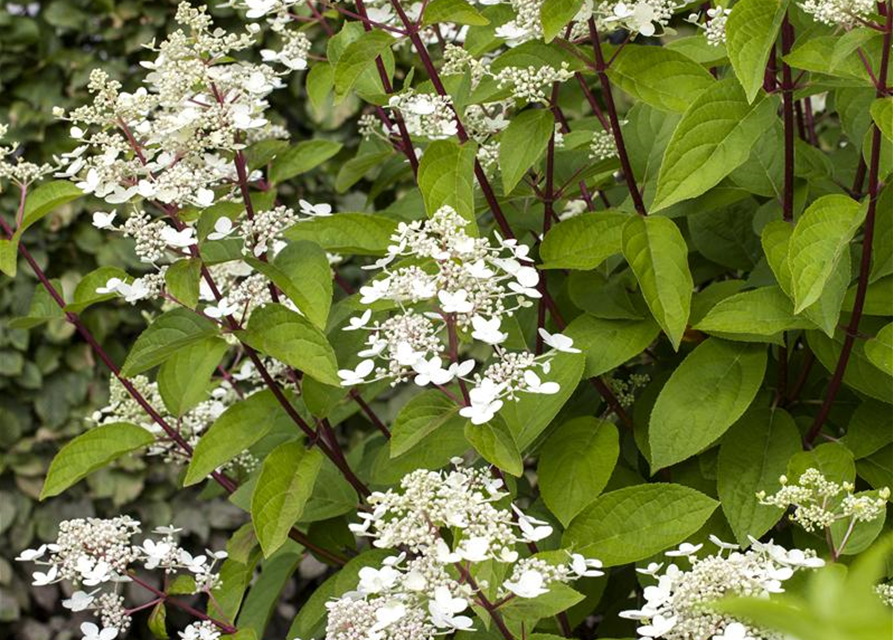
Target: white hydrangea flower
(416,595)
(673,608)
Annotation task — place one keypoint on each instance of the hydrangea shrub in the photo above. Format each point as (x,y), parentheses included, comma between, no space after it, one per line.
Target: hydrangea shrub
(554,319)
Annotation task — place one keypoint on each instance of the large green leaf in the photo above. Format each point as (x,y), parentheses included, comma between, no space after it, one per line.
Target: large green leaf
(302,271)
(636,522)
(359,56)
(575,464)
(583,242)
(879,350)
(358,233)
(45,199)
(240,426)
(184,378)
(825,311)
(751,30)
(167,334)
(753,455)
(860,374)
(285,484)
(420,417)
(522,143)
(301,158)
(704,396)
(90,451)
(607,344)
(182,280)
(660,77)
(290,338)
(496,445)
(658,255)
(455,11)
(555,14)
(819,240)
(763,312)
(714,137)
(446,177)
(882,114)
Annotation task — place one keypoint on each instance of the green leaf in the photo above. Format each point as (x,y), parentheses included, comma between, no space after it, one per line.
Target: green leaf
(860,374)
(182,280)
(560,597)
(266,591)
(43,307)
(660,77)
(882,114)
(833,460)
(291,338)
(753,455)
(47,198)
(496,445)
(555,14)
(820,238)
(868,430)
(607,344)
(9,253)
(240,426)
(522,143)
(319,84)
(184,378)
(763,312)
(158,621)
(575,464)
(354,169)
(446,177)
(636,522)
(85,293)
(169,333)
(704,396)
(285,484)
(302,271)
(825,311)
(583,242)
(301,158)
(751,31)
(713,138)
(658,255)
(457,11)
(420,417)
(91,451)
(359,56)
(358,233)
(879,350)
(529,416)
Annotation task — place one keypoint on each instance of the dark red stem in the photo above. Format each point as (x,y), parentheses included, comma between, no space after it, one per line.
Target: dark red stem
(868,237)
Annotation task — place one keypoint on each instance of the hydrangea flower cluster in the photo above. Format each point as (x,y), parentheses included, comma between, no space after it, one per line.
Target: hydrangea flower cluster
(426,115)
(644,17)
(818,502)
(169,141)
(20,172)
(675,606)
(99,556)
(602,146)
(424,591)
(448,282)
(191,425)
(846,13)
(714,26)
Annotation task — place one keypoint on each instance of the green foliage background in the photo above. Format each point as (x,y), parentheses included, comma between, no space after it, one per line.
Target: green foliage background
(49,382)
